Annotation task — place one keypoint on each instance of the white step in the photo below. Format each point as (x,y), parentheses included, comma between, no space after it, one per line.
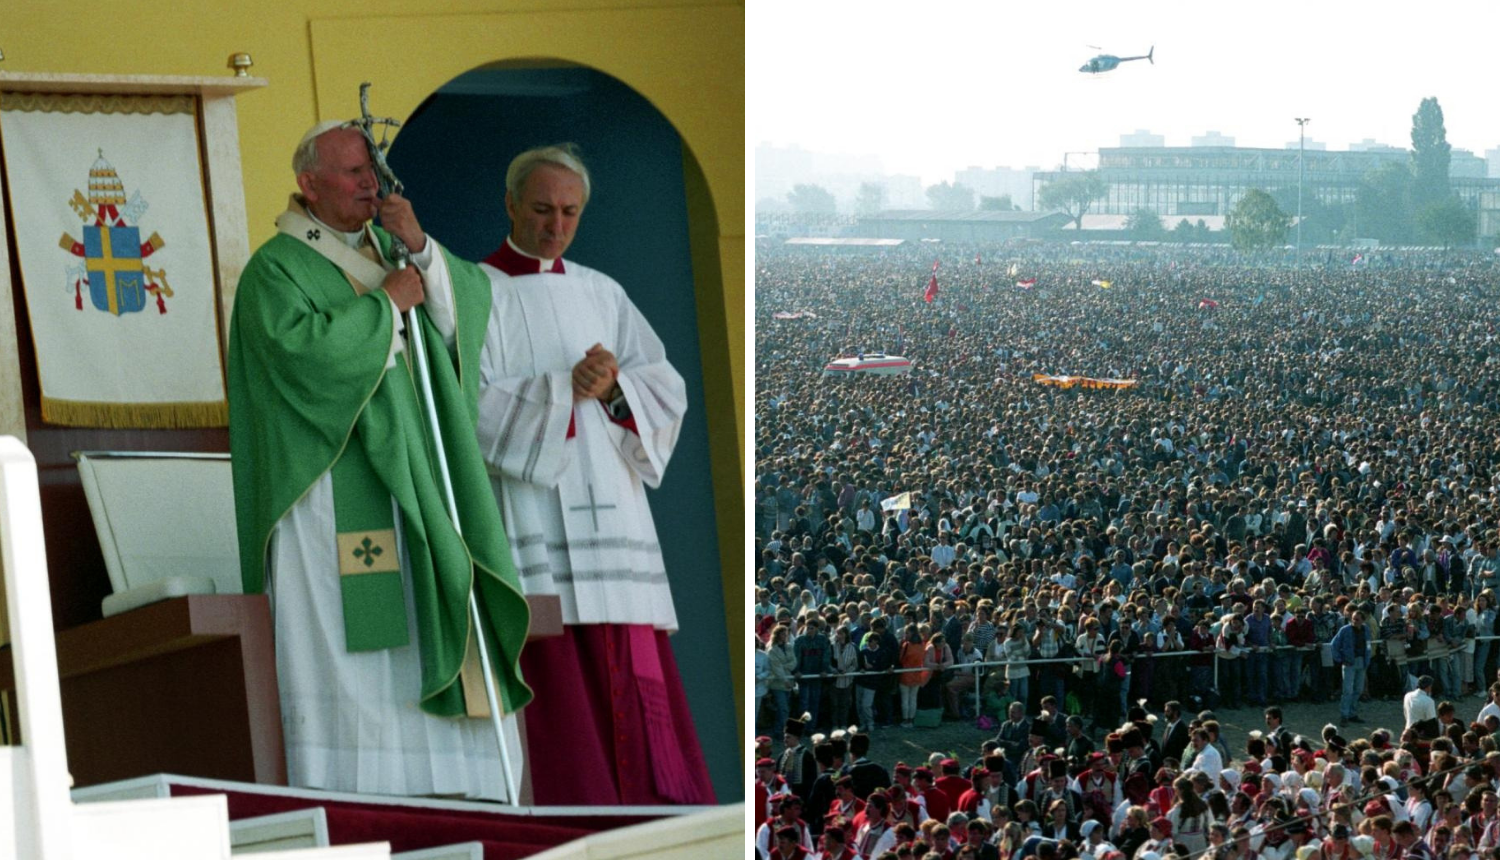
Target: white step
(362,851)
(714,834)
(140,788)
(460,851)
(178,828)
(301,828)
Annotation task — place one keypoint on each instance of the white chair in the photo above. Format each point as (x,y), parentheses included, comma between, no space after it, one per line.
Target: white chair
(301,828)
(165,523)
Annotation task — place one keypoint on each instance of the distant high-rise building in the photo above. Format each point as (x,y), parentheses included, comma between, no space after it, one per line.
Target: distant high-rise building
(1492,161)
(998,182)
(1213,138)
(1142,137)
(1370,145)
(779,169)
(1464,163)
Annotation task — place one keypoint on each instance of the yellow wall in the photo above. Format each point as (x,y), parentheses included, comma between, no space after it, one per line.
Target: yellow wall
(687,58)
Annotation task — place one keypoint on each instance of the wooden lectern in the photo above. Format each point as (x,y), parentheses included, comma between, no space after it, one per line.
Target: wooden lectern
(185,686)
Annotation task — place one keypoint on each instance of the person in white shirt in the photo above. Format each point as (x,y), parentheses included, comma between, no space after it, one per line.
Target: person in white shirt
(1492,706)
(943,553)
(864,518)
(1207,758)
(1418,807)
(1417,705)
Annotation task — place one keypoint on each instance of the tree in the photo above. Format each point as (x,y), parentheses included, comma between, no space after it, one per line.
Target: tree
(1183,232)
(1447,222)
(1072,195)
(871,198)
(1145,224)
(811,198)
(1320,221)
(943,197)
(769,205)
(996,204)
(1257,222)
(1202,232)
(1430,156)
(1382,205)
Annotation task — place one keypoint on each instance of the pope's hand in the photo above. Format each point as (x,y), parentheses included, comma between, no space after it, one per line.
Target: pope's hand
(594,376)
(404,286)
(397,217)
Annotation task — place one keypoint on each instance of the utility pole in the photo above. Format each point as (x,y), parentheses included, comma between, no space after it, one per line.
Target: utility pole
(1302,122)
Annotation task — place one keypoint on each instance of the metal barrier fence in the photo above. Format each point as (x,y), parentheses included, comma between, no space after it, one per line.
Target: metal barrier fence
(1376,645)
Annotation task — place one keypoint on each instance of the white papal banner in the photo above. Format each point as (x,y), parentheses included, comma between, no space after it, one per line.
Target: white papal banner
(111,224)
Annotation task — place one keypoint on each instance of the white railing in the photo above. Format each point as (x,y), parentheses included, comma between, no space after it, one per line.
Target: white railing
(40,781)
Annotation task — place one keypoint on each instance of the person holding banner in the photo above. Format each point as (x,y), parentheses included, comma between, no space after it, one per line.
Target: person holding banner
(340,515)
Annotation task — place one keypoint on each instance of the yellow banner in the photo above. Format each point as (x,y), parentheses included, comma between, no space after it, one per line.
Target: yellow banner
(1083,381)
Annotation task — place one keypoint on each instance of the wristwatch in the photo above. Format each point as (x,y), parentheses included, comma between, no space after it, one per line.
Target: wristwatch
(617,406)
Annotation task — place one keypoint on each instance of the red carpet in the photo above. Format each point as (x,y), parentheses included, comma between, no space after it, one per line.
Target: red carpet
(506,836)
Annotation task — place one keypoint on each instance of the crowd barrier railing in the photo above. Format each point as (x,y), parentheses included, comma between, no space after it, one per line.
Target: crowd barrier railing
(980,668)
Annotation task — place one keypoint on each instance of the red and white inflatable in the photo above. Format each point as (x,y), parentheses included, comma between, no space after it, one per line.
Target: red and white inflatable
(877,363)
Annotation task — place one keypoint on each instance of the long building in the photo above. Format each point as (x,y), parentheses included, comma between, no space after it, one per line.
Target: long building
(1186,181)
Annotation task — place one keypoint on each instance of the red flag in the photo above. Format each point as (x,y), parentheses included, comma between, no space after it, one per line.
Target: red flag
(934,266)
(932,287)
(1207,303)
(1027,283)
(977,261)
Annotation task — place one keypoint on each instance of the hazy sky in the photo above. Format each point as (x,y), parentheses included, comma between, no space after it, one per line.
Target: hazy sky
(938,86)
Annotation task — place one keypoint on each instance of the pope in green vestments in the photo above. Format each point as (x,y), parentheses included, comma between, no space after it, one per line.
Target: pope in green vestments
(336,481)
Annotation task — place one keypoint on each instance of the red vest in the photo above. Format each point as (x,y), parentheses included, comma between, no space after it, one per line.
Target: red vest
(953,786)
(938,804)
(854,811)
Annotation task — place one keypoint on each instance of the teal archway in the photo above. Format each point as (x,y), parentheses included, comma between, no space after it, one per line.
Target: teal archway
(452,156)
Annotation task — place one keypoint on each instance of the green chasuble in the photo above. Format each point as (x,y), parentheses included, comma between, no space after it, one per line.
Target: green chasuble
(309,391)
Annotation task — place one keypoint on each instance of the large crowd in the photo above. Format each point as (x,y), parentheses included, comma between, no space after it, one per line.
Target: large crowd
(1295,501)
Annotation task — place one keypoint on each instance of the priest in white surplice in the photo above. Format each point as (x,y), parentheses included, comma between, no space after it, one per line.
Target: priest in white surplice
(579,411)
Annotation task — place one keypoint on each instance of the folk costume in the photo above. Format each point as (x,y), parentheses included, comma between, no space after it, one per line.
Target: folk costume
(765,835)
(341,520)
(797,764)
(1102,792)
(570,479)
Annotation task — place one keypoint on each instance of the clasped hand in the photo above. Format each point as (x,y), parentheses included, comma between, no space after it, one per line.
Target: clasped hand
(594,376)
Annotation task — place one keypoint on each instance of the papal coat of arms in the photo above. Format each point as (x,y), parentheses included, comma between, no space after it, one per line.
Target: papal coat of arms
(114,269)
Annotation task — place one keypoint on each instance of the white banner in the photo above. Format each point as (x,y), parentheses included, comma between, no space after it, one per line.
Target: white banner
(897,503)
(112,236)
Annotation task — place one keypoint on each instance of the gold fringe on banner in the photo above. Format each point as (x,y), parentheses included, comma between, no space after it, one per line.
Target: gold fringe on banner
(151,416)
(97,103)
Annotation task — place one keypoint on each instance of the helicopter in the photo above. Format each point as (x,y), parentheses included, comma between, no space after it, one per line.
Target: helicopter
(1108,62)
